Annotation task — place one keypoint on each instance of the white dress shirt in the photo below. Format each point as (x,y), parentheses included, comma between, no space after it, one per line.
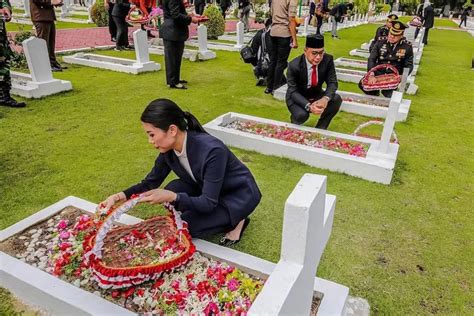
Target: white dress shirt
(183,158)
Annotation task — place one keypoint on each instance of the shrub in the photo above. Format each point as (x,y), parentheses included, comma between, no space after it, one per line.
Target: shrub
(21,36)
(99,14)
(260,14)
(216,24)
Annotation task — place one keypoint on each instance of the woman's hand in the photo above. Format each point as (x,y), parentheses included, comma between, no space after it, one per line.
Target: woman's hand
(158,196)
(194,19)
(111,200)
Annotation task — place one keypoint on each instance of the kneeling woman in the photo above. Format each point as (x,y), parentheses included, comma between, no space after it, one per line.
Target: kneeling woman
(215,191)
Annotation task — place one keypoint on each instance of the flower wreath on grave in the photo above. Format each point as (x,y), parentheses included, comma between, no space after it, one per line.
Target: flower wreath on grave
(416,22)
(386,78)
(151,21)
(130,255)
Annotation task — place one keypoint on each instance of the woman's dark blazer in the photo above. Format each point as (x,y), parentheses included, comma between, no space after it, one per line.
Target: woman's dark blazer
(222,178)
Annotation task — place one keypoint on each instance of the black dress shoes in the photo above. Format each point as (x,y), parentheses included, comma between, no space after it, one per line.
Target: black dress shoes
(268,91)
(229,242)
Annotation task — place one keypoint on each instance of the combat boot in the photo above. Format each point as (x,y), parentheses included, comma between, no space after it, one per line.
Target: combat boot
(7,100)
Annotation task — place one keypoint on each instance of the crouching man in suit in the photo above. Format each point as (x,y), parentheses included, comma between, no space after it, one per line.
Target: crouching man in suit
(306,75)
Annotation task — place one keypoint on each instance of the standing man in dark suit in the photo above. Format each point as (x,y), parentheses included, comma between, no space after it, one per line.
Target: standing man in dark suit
(109,6)
(428,21)
(225,4)
(306,75)
(174,32)
(43,17)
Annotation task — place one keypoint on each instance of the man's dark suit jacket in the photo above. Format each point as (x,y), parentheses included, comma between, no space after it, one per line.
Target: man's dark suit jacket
(297,76)
(175,26)
(428,17)
(223,178)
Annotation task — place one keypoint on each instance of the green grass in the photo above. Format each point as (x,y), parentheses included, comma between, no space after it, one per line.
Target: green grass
(406,247)
(443,22)
(15,27)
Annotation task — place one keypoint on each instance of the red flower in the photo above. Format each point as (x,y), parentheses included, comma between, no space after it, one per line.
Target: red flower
(128,292)
(140,292)
(158,283)
(115,294)
(190,276)
(211,309)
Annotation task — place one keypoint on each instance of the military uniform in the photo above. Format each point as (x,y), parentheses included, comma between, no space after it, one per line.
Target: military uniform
(382,31)
(399,55)
(5,55)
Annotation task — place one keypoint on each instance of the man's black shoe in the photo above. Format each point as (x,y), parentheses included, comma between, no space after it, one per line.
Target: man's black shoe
(268,91)
(56,68)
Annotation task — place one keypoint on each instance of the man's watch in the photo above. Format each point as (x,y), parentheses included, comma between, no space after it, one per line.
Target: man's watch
(307,107)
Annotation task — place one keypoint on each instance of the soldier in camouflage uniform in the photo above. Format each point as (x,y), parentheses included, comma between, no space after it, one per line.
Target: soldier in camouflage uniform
(394,50)
(5,55)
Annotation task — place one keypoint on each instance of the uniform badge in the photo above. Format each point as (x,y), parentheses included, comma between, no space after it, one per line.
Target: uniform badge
(401,53)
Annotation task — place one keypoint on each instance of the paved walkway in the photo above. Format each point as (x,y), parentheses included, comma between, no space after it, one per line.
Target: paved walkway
(67,39)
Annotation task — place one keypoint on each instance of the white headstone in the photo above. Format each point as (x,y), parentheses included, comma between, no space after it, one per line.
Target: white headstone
(202,37)
(36,53)
(289,289)
(141,46)
(65,9)
(390,122)
(240,35)
(26,5)
(305,26)
(89,10)
(403,82)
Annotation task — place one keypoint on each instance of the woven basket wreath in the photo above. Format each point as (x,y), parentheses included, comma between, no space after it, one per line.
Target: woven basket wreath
(125,256)
(384,81)
(150,22)
(416,22)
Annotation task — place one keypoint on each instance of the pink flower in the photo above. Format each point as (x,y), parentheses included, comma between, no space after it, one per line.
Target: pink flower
(233,285)
(64,235)
(62,224)
(211,309)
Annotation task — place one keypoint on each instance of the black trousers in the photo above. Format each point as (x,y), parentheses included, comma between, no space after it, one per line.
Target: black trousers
(417,30)
(320,23)
(112,26)
(463,20)
(122,31)
(278,61)
(425,36)
(201,224)
(47,31)
(199,9)
(385,93)
(173,56)
(300,115)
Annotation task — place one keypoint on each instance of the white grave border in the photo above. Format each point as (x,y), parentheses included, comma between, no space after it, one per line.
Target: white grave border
(39,288)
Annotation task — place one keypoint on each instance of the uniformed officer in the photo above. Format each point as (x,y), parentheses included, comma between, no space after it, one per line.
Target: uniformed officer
(5,55)
(395,50)
(382,31)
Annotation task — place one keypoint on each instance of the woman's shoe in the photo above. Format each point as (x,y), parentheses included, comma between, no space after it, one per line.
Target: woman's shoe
(178,86)
(229,242)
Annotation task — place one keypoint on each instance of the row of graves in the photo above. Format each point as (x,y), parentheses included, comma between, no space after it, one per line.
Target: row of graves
(75,257)
(68,12)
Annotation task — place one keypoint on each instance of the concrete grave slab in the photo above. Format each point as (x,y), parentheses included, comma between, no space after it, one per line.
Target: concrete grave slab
(141,64)
(377,166)
(309,208)
(362,104)
(40,82)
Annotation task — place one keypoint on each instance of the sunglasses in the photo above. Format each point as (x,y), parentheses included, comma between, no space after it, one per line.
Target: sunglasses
(317,53)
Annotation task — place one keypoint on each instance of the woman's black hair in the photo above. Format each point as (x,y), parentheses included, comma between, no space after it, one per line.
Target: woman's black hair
(162,113)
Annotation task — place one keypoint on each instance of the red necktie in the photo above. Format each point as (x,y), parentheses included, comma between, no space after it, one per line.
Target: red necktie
(314,77)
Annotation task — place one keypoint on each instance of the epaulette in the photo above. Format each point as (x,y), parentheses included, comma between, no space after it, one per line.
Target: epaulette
(405,41)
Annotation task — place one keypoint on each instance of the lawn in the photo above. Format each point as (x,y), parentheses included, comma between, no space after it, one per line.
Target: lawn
(407,247)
